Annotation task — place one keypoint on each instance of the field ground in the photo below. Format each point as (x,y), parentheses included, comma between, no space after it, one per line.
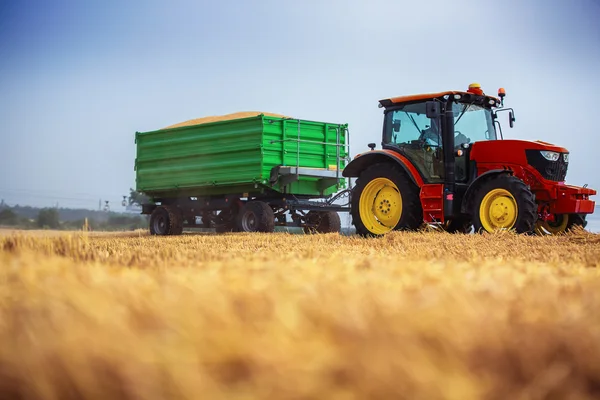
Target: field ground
(412,315)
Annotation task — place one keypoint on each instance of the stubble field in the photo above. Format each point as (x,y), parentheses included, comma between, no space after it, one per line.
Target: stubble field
(412,315)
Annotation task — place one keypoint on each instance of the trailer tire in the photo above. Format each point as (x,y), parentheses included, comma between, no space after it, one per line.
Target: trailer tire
(323,222)
(166,220)
(206,220)
(177,225)
(225,221)
(256,216)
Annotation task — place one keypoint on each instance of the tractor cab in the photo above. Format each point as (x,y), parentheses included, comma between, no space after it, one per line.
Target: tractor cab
(413,127)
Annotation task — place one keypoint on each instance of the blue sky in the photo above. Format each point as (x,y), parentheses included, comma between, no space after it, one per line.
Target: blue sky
(77,79)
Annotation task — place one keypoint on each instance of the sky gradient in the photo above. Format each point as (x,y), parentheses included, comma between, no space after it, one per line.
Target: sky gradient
(78,79)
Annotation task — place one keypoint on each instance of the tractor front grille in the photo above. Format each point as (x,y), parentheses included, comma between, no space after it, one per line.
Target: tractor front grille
(551,170)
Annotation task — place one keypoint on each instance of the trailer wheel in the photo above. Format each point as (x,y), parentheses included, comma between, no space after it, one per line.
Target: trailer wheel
(225,221)
(504,203)
(206,220)
(385,199)
(256,216)
(323,222)
(177,225)
(166,220)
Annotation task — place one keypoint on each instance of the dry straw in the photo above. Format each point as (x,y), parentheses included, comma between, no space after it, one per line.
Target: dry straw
(412,315)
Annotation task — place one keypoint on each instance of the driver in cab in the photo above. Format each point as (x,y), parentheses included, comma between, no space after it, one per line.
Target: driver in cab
(431,136)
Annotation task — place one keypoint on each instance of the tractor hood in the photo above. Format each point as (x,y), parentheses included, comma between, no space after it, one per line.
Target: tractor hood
(509,151)
(551,166)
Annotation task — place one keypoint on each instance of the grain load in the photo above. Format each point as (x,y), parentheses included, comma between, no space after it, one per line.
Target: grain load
(227,117)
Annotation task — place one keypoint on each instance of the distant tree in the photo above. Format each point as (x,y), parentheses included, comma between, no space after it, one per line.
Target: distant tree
(138,198)
(8,217)
(26,223)
(48,218)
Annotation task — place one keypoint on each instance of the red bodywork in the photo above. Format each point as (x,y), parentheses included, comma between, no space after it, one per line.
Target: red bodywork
(552,197)
(398,158)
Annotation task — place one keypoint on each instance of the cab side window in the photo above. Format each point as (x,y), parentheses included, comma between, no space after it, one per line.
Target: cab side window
(416,137)
(410,126)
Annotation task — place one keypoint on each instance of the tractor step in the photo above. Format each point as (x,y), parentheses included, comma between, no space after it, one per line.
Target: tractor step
(432,201)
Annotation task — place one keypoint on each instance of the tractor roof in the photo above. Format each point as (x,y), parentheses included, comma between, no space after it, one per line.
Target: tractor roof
(430,96)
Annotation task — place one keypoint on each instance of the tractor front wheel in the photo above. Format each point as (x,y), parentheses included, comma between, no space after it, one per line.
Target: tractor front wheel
(504,203)
(385,199)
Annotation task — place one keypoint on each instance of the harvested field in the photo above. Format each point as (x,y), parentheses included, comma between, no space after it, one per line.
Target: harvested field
(412,315)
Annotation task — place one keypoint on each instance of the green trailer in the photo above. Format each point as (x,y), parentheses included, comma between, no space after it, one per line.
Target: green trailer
(244,174)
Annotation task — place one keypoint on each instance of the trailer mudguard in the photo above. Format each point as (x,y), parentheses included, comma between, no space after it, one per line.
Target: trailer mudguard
(364,160)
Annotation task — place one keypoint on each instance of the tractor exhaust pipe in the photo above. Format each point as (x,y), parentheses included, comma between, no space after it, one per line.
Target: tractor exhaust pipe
(449,162)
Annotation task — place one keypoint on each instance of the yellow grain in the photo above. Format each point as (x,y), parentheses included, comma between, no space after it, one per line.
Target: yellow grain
(227,117)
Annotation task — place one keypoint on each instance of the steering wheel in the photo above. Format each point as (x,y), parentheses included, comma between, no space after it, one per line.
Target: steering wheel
(423,138)
(456,136)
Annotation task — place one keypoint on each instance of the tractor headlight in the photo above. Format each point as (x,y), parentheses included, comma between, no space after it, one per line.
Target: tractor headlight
(566,157)
(550,155)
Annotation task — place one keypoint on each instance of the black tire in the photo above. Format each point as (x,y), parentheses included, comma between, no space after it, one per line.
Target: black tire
(256,216)
(323,222)
(411,217)
(166,220)
(177,215)
(225,221)
(576,220)
(459,225)
(206,220)
(524,198)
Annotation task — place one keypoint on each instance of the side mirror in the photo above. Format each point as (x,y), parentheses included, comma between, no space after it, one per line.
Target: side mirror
(511,119)
(433,109)
(396,125)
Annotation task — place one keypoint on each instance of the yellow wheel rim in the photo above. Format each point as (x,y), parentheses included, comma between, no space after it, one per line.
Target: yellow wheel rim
(498,210)
(553,228)
(380,206)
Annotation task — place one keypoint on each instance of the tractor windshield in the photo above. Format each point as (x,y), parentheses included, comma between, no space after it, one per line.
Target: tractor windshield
(472,123)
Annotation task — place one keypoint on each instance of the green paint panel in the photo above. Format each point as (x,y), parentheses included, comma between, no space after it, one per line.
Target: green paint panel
(230,157)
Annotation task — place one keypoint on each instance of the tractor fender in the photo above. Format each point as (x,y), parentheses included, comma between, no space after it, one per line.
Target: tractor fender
(475,184)
(365,160)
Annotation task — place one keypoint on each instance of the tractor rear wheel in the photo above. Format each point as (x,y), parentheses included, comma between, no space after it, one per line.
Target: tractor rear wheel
(504,203)
(256,216)
(323,222)
(166,220)
(385,199)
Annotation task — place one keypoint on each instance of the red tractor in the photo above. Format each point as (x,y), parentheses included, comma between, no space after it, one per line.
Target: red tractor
(444,162)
